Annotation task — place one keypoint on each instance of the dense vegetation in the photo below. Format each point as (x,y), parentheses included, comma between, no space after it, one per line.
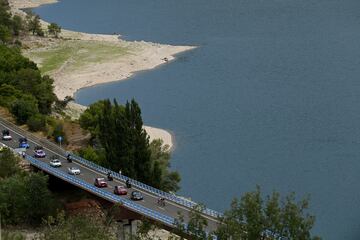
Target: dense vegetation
(80,227)
(254,217)
(28,95)
(124,144)
(10,26)
(24,197)
(120,143)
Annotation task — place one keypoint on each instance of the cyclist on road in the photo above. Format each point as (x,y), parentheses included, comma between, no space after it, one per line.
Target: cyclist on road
(161,201)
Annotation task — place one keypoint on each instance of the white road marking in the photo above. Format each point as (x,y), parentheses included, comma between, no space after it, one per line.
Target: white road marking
(140,190)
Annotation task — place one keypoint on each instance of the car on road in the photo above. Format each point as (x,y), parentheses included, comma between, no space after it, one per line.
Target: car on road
(23,143)
(136,196)
(55,162)
(6,135)
(100,182)
(74,170)
(39,152)
(120,190)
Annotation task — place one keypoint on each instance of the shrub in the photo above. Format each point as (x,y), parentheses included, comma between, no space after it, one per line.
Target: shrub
(36,123)
(23,110)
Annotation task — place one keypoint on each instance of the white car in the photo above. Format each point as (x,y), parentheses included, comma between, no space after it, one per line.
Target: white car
(74,171)
(6,137)
(55,163)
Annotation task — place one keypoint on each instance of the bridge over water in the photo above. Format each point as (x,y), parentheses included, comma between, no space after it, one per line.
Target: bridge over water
(147,208)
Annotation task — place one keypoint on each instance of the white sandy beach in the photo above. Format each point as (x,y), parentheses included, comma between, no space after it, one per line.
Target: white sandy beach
(140,56)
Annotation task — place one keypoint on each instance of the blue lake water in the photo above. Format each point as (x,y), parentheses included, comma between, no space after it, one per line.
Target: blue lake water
(270,97)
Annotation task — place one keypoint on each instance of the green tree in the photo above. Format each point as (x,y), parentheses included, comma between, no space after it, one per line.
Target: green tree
(81,227)
(8,163)
(163,178)
(25,198)
(34,24)
(254,218)
(5,34)
(95,155)
(7,235)
(140,140)
(120,132)
(89,119)
(36,123)
(197,224)
(30,81)
(54,29)
(17,25)
(195,227)
(39,201)
(23,109)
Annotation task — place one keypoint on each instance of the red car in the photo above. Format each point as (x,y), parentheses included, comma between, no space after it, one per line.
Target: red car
(100,182)
(120,190)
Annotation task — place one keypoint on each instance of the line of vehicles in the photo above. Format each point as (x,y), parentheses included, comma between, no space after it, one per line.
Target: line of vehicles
(73,170)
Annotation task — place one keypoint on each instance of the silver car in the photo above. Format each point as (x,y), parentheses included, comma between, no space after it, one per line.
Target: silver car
(55,163)
(74,170)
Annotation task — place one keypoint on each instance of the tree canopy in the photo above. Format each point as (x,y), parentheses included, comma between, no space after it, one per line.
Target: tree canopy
(81,227)
(254,217)
(9,25)
(54,29)
(22,88)
(24,197)
(125,143)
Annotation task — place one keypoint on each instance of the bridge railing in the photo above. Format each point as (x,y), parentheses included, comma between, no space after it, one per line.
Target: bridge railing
(41,141)
(52,146)
(170,221)
(172,197)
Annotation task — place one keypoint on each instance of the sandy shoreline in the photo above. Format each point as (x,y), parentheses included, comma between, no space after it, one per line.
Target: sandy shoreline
(69,77)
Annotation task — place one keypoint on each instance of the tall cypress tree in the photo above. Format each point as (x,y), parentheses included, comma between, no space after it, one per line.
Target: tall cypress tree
(124,145)
(140,141)
(106,135)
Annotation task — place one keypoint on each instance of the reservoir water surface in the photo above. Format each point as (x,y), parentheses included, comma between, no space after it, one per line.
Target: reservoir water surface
(271,96)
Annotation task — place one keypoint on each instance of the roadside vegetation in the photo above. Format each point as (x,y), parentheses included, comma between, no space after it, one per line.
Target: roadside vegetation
(119,142)
(24,91)
(252,217)
(24,196)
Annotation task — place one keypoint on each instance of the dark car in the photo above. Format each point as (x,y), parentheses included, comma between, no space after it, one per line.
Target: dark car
(6,135)
(100,182)
(136,196)
(120,190)
(23,143)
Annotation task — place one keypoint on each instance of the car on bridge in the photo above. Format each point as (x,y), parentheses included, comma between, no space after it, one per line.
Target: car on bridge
(74,170)
(100,182)
(54,162)
(39,152)
(120,190)
(136,196)
(23,143)
(6,135)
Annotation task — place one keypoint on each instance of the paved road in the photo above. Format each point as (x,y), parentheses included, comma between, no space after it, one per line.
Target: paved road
(150,200)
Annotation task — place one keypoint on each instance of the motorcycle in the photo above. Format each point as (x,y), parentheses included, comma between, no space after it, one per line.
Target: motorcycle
(110,178)
(68,158)
(128,184)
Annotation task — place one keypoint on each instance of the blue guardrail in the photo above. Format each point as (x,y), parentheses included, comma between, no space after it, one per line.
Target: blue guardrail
(140,185)
(170,221)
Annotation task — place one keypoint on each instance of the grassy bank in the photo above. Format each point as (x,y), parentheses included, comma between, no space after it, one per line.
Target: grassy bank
(74,54)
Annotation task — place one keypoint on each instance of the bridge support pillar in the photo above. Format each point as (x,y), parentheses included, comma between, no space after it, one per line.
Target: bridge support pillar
(127,228)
